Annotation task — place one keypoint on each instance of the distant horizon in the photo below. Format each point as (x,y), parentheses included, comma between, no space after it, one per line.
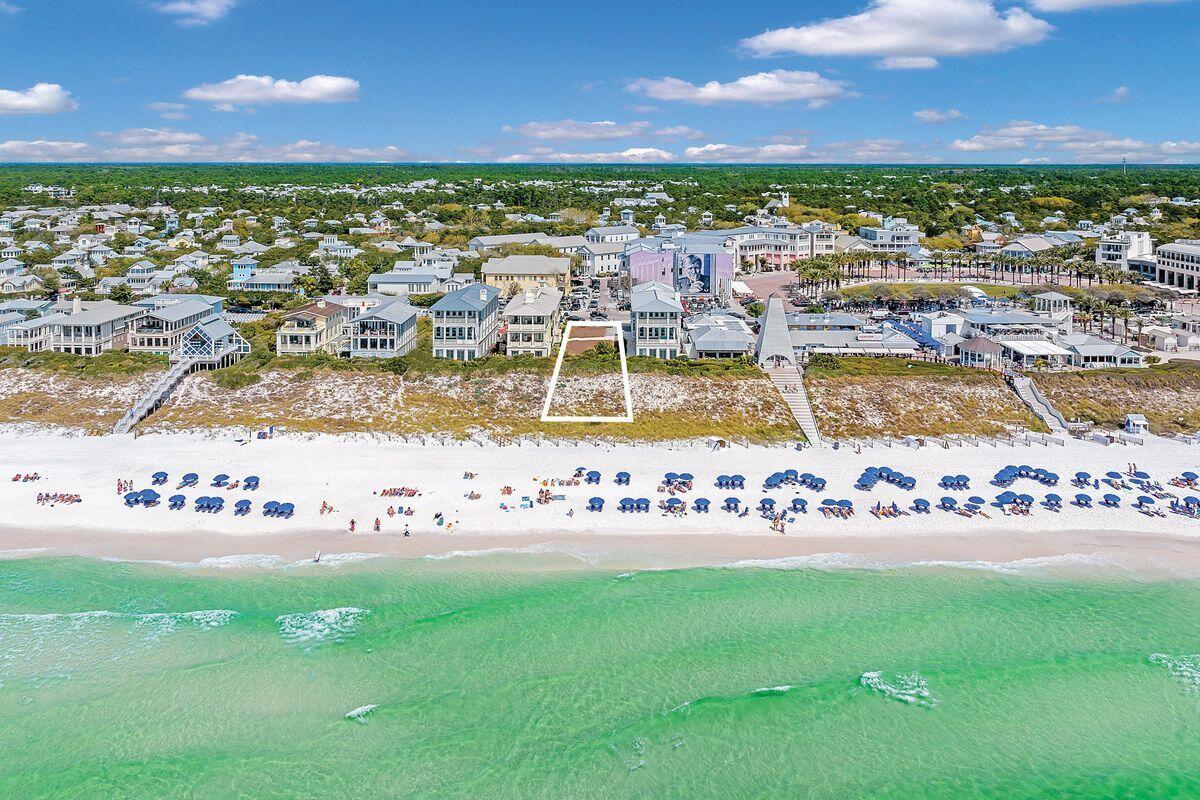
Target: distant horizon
(1021,82)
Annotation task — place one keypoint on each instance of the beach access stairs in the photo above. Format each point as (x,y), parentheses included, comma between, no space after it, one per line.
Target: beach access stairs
(1027,390)
(789,381)
(157,394)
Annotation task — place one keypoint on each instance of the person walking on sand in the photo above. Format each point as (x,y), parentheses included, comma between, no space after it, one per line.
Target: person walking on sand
(406,532)
(353,525)
(377,524)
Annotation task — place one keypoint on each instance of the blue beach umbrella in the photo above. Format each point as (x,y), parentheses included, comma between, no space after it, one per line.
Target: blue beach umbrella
(1112,499)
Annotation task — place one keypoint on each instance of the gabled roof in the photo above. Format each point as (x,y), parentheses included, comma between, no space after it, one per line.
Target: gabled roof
(469,298)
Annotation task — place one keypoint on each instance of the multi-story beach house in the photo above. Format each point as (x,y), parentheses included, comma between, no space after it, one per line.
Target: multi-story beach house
(519,273)
(466,323)
(318,327)
(386,331)
(1116,250)
(95,330)
(612,233)
(656,320)
(163,327)
(532,322)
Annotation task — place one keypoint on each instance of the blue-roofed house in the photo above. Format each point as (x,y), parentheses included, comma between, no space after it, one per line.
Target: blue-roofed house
(162,329)
(466,323)
(385,331)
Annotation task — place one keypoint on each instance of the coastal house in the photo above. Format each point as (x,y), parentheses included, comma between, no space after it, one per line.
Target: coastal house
(611,233)
(466,323)
(95,330)
(656,320)
(318,327)
(401,284)
(519,273)
(386,331)
(717,336)
(162,328)
(532,322)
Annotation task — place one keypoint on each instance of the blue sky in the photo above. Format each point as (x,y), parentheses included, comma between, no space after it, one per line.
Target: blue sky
(941,81)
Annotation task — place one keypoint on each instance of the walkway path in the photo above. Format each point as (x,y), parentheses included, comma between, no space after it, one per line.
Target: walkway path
(790,383)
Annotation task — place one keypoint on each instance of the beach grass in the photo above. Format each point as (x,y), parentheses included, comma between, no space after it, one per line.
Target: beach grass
(111,365)
(1167,394)
(864,398)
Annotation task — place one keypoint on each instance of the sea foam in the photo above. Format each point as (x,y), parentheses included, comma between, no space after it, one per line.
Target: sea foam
(361,713)
(311,628)
(908,687)
(1185,669)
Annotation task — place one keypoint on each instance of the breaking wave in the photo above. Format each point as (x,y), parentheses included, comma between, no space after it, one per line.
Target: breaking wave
(1185,669)
(908,687)
(311,628)
(361,713)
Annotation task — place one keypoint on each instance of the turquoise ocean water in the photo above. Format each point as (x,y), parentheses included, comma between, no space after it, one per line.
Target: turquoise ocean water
(488,680)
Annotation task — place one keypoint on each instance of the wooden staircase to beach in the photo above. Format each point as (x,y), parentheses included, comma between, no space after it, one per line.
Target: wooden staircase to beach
(1038,404)
(789,381)
(156,395)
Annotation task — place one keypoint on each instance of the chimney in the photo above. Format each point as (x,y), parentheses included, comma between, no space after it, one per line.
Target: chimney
(76,305)
(482,294)
(321,303)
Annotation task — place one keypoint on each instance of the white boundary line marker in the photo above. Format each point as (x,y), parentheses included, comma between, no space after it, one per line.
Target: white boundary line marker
(628,417)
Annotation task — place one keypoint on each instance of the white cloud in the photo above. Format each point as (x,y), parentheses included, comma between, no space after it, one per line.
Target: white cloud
(569,130)
(908,33)
(196,12)
(632,155)
(139,137)
(250,90)
(679,132)
(41,98)
(1076,5)
(1038,160)
(933,116)
(907,62)
(776,86)
(1119,95)
(42,150)
(1075,143)
(9,8)
(728,153)
(169,110)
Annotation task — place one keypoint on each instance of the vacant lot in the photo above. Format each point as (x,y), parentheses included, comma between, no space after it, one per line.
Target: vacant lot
(869,398)
(1168,394)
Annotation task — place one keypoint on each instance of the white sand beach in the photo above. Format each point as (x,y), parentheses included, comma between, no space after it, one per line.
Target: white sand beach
(348,473)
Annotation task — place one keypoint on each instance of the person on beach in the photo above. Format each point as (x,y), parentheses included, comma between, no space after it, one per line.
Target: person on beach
(377,524)
(353,525)
(406,532)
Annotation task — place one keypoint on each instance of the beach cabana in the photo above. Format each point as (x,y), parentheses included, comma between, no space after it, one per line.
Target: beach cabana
(1143,475)
(596,504)
(848,504)
(1026,499)
(731,504)
(285,510)
(202,503)
(1144,501)
(191,479)
(670,477)
(817,484)
(220,480)
(592,477)
(949,503)
(1004,498)
(722,481)
(700,504)
(215,504)
(149,497)
(979,501)
(250,483)
(799,505)
(773,481)
(622,479)
(642,504)
(907,482)
(1083,500)
(1191,501)
(1190,477)
(766,504)
(1111,500)
(241,507)
(133,498)
(625,504)
(687,477)
(1082,478)
(791,475)
(270,507)
(737,482)
(158,478)
(921,505)
(674,502)
(176,502)
(1053,501)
